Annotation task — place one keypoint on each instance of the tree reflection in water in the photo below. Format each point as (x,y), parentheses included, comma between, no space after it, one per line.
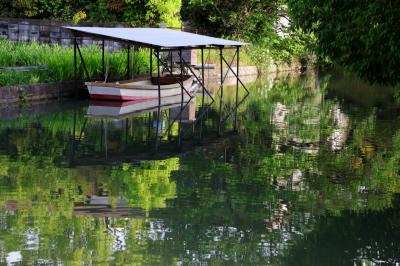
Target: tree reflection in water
(311,178)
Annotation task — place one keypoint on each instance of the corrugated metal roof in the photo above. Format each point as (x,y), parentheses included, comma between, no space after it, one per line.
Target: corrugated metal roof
(156,37)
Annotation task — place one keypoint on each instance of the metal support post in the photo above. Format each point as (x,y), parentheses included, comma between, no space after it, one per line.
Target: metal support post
(221,90)
(102,61)
(151,62)
(171,63)
(75,63)
(203,91)
(128,66)
(82,60)
(159,97)
(182,88)
(237,88)
(133,61)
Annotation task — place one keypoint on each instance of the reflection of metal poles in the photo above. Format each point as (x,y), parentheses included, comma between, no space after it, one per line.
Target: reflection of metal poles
(236,75)
(126,130)
(101,135)
(71,162)
(105,140)
(149,119)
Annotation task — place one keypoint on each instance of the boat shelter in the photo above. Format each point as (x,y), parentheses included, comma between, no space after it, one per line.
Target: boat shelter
(161,40)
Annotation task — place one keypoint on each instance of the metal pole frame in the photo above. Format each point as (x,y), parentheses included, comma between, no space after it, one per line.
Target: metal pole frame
(202,96)
(151,62)
(103,71)
(171,63)
(75,63)
(82,60)
(201,82)
(133,61)
(157,53)
(183,89)
(197,47)
(237,88)
(128,63)
(221,90)
(238,83)
(60,94)
(182,97)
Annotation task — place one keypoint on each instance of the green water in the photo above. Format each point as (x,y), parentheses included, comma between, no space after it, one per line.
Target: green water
(310,178)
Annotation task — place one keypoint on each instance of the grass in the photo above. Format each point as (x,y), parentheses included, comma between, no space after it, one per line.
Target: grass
(60,62)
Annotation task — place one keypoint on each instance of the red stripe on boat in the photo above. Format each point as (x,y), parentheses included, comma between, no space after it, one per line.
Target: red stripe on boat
(119,97)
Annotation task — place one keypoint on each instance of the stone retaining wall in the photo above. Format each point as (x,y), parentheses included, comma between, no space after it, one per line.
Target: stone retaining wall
(45,31)
(275,67)
(11,94)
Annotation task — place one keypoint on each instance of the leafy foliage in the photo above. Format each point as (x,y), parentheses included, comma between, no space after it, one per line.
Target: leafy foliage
(359,35)
(232,18)
(252,21)
(131,12)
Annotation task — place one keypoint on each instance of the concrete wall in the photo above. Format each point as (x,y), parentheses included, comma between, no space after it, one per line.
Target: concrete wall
(11,94)
(44,31)
(51,32)
(275,67)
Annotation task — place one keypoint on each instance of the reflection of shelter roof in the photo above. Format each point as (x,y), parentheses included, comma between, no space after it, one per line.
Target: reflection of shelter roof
(154,37)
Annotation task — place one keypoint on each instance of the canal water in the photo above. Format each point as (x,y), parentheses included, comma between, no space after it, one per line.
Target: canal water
(310,177)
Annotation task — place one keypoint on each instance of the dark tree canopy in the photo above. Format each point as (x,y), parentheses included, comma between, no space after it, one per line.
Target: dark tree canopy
(108,12)
(361,35)
(250,19)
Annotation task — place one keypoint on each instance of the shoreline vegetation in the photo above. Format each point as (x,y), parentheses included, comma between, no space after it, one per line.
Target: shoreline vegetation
(59,61)
(267,28)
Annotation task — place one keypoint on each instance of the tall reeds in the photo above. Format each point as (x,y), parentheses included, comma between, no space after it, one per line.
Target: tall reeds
(60,62)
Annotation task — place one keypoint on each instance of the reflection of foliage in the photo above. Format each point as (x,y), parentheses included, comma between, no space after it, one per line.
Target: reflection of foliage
(359,239)
(245,199)
(147,184)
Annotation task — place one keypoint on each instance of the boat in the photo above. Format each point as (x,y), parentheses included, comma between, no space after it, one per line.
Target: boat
(121,109)
(142,88)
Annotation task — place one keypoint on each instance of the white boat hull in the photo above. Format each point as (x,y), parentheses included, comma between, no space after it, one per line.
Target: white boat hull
(136,90)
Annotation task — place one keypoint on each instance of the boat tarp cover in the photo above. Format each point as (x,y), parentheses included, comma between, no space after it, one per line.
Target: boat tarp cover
(155,37)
